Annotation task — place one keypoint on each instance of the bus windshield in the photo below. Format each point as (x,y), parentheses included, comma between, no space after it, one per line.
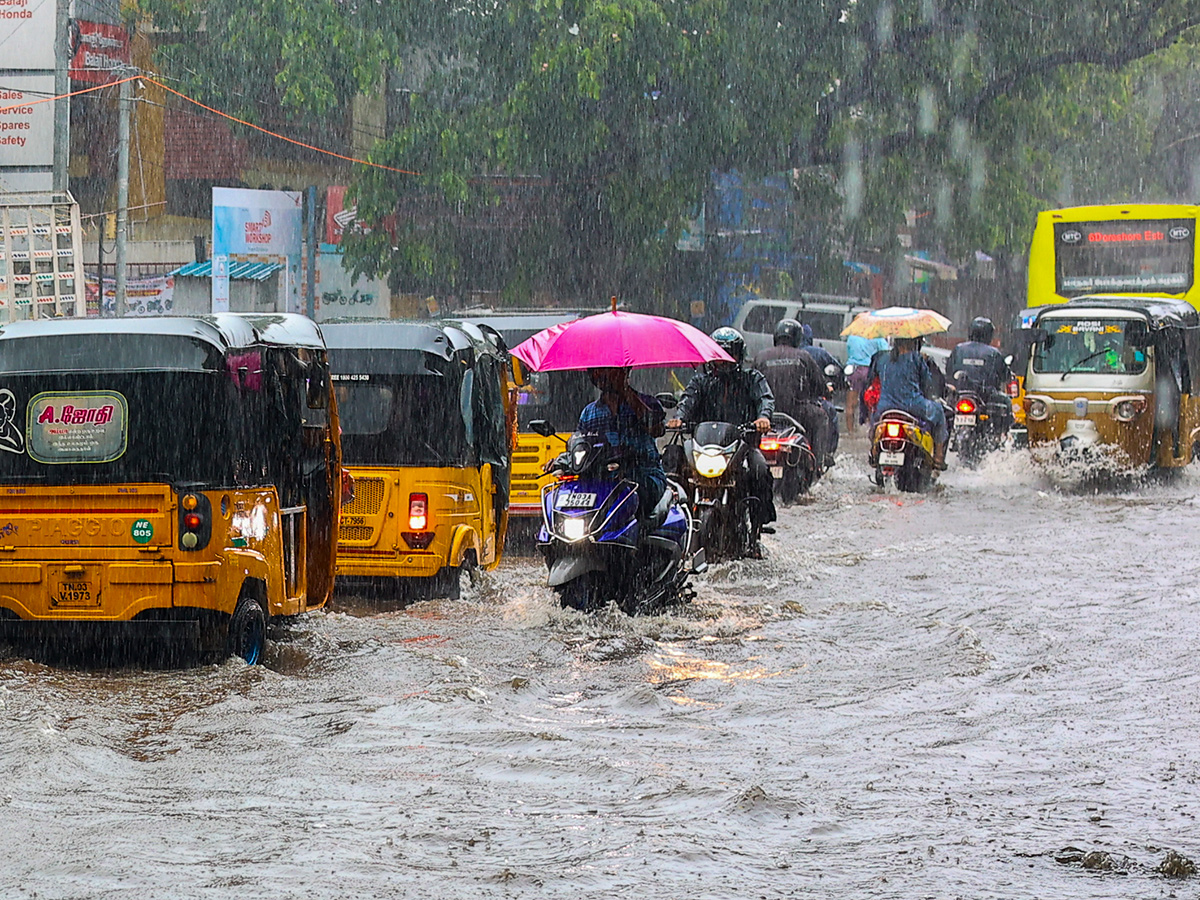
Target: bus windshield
(406,420)
(1149,256)
(1092,346)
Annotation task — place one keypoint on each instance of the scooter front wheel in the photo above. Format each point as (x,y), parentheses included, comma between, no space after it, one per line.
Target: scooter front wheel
(584,593)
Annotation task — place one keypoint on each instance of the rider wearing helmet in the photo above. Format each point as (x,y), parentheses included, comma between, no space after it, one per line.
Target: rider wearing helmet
(826,363)
(730,392)
(975,365)
(797,382)
(630,421)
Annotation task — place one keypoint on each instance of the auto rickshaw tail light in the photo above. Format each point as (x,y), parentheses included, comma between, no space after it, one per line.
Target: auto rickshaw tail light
(418,511)
(966,406)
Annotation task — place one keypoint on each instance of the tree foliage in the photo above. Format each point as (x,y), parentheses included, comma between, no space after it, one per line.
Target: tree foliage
(614,114)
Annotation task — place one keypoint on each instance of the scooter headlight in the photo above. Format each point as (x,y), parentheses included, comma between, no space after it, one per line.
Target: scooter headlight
(573,528)
(709,463)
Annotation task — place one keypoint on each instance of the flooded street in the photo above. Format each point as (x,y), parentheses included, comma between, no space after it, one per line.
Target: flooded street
(957,695)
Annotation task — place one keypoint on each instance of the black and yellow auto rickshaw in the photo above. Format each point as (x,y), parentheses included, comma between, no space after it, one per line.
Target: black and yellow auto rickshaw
(1110,382)
(179,474)
(426,431)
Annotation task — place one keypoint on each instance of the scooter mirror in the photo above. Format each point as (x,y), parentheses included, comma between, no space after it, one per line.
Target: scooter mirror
(849,370)
(667,399)
(542,427)
(959,374)
(831,370)
(1008,360)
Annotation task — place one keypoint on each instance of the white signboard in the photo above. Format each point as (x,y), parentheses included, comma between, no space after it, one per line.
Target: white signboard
(27,34)
(338,294)
(260,226)
(26,131)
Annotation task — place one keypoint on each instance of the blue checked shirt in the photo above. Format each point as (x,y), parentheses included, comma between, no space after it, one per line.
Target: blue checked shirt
(624,429)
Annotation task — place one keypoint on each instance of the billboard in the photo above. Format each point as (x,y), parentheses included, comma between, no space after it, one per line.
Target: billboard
(27,35)
(258,226)
(26,131)
(100,49)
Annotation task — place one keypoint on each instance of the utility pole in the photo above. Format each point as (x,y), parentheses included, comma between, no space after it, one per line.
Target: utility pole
(123,109)
(62,85)
(310,248)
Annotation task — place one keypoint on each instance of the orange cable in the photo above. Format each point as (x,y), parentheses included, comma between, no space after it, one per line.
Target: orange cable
(4,109)
(274,135)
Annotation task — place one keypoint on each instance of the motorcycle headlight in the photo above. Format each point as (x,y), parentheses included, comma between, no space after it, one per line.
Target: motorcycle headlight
(573,528)
(710,465)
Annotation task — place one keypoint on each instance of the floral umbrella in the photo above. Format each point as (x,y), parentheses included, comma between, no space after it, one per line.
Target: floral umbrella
(897,322)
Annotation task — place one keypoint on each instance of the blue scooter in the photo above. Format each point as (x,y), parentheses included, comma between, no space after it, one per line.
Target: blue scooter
(597,549)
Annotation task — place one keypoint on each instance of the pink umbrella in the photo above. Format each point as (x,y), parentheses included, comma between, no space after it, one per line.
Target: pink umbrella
(618,339)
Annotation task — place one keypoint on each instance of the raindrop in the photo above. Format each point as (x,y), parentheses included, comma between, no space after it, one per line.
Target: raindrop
(852,180)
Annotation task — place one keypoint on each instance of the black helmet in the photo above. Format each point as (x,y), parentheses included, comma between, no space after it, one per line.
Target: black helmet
(731,341)
(788,332)
(981,330)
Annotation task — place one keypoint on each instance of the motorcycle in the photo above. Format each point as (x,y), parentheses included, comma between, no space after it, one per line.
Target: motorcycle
(902,452)
(596,546)
(979,426)
(790,456)
(716,470)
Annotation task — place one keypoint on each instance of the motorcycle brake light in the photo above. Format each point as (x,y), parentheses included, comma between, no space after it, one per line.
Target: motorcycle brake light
(893,429)
(1014,388)
(965,406)
(768,444)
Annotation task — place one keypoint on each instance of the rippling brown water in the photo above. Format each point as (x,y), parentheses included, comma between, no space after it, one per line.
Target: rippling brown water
(912,697)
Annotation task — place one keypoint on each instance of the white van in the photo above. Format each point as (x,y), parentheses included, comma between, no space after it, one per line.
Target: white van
(826,314)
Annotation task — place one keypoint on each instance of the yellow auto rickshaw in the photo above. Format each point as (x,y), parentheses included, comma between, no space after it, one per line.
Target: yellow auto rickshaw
(1110,382)
(181,475)
(425,413)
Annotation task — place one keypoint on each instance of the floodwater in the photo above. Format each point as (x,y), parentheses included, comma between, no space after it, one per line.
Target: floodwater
(960,695)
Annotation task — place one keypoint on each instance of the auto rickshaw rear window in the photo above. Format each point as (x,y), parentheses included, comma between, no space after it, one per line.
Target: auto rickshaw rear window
(1086,345)
(405,420)
(107,353)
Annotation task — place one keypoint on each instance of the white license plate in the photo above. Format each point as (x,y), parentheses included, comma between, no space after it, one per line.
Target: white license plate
(777,471)
(891,459)
(960,419)
(577,501)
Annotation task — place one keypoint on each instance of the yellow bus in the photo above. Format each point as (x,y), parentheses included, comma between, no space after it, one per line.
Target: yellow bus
(1128,249)
(177,476)
(425,414)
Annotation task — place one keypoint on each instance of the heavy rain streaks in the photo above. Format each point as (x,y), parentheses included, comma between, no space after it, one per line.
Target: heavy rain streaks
(986,692)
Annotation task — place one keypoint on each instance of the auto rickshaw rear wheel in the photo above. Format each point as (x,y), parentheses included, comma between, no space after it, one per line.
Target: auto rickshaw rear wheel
(248,630)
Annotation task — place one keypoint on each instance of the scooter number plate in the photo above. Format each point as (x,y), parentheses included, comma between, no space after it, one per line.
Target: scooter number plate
(960,419)
(891,459)
(777,471)
(577,501)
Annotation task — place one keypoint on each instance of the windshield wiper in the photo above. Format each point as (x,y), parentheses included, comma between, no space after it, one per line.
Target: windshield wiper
(1080,362)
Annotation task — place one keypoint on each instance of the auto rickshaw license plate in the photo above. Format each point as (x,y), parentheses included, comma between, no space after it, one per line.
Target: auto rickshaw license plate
(75,593)
(960,419)
(891,459)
